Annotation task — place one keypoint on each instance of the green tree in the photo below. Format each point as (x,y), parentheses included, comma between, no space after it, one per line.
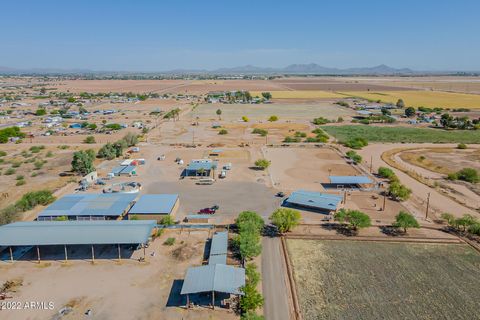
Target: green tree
(398,191)
(285,219)
(355,218)
(219,114)
(251,299)
(251,315)
(131,139)
(400,104)
(465,221)
(246,219)
(107,151)
(262,163)
(249,244)
(89,140)
(449,218)
(405,220)
(41,112)
(267,95)
(355,157)
(386,173)
(167,221)
(253,277)
(410,112)
(273,118)
(82,162)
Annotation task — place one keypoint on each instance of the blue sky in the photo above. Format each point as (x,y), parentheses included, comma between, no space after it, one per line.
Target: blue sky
(168,34)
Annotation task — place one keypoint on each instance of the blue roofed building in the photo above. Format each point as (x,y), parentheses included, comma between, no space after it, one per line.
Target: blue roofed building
(201,167)
(89,207)
(316,201)
(154,206)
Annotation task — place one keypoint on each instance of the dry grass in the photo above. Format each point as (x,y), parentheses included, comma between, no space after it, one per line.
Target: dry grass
(422,98)
(365,280)
(297,94)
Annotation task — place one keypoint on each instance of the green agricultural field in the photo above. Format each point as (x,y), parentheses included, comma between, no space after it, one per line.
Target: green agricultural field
(402,134)
(372,280)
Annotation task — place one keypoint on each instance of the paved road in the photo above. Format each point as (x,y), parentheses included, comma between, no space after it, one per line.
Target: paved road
(274,281)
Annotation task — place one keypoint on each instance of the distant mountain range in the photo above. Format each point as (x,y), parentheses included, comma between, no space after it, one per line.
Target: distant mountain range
(293,69)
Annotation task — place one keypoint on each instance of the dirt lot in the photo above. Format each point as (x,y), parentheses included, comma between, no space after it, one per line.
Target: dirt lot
(242,189)
(286,111)
(307,168)
(367,280)
(112,290)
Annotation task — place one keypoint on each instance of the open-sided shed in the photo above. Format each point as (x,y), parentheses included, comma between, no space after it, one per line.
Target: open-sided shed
(54,233)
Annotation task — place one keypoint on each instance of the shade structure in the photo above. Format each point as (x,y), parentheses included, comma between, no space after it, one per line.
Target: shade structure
(39,233)
(214,277)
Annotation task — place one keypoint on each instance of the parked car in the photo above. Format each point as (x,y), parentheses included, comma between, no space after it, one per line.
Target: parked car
(207,211)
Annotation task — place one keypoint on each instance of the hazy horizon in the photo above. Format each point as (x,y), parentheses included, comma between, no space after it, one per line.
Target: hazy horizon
(151,36)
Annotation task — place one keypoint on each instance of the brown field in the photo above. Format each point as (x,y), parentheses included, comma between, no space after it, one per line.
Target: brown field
(442,160)
(368,280)
(333,84)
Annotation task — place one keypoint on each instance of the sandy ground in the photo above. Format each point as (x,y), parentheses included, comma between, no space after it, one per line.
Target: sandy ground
(439,203)
(112,290)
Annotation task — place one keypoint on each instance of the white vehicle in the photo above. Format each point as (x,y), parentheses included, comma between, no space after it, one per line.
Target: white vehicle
(223,174)
(228,166)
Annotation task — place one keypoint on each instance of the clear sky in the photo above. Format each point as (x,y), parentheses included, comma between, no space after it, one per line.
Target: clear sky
(168,34)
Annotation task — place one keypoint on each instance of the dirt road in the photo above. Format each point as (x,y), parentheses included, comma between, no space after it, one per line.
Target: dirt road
(274,282)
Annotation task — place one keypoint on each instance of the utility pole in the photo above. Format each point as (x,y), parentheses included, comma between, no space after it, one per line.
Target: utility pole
(428,205)
(384,200)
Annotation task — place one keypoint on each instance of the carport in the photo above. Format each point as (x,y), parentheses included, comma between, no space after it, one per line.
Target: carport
(54,233)
(352,182)
(213,278)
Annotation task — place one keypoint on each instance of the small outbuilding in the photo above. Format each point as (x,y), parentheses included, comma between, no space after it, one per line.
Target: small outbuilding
(202,167)
(213,278)
(155,206)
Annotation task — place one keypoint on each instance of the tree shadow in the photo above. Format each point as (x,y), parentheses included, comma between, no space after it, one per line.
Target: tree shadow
(341,229)
(391,231)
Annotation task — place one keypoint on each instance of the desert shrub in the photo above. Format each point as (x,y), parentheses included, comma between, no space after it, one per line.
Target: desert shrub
(461,146)
(320,120)
(89,140)
(355,157)
(261,132)
(9,172)
(355,143)
(262,163)
(222,132)
(466,174)
(169,242)
(273,118)
(20,182)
